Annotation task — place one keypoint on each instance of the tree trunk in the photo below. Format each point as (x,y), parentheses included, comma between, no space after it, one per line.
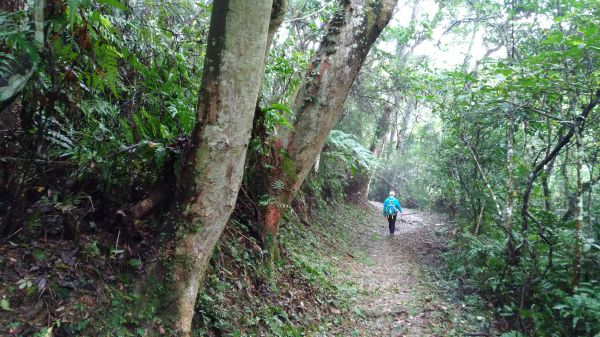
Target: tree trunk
(213,166)
(277,16)
(510,190)
(571,211)
(564,171)
(548,172)
(579,154)
(511,256)
(350,34)
(162,195)
(547,194)
(390,137)
(590,205)
(376,147)
(477,229)
(546,187)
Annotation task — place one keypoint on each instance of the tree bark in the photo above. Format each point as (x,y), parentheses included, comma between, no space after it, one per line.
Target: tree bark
(351,32)
(277,16)
(213,166)
(566,180)
(579,154)
(572,198)
(547,172)
(510,190)
(590,205)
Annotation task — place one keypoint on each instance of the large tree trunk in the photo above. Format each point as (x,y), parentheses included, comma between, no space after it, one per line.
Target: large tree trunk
(212,168)
(162,195)
(350,34)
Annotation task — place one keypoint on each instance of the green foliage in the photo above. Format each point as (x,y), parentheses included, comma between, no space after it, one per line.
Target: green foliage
(91,249)
(246,298)
(5,304)
(115,91)
(112,99)
(582,309)
(342,159)
(275,116)
(18,48)
(346,148)
(455,149)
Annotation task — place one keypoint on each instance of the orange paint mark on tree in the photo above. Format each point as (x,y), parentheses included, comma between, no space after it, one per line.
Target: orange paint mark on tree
(272,217)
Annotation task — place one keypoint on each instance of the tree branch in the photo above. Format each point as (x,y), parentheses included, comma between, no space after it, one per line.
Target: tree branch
(487,184)
(562,143)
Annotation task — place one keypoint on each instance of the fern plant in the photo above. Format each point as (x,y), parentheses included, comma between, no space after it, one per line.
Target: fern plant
(350,151)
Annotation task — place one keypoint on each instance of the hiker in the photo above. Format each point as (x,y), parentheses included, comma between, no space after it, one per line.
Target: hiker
(391,207)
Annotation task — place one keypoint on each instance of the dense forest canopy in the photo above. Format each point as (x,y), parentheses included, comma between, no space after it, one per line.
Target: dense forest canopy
(144,133)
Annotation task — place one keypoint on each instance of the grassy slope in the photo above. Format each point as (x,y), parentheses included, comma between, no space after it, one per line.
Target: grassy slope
(304,295)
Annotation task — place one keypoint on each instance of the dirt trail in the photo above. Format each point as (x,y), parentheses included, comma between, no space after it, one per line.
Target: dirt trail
(399,293)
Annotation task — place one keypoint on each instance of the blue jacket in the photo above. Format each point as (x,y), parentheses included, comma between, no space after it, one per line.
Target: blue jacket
(396,204)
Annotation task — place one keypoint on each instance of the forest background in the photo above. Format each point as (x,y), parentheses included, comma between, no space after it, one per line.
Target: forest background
(100,106)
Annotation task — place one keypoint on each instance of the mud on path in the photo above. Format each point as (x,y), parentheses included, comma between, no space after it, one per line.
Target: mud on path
(399,291)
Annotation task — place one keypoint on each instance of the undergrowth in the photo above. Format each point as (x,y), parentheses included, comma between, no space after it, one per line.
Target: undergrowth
(88,287)
(304,294)
(549,305)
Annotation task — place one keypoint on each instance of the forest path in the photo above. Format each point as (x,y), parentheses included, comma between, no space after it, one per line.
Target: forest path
(399,291)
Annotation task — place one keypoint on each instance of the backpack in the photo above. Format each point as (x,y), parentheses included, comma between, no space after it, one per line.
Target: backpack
(390,208)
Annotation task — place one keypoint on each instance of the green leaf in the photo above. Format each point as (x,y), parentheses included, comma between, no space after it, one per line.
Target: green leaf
(39,255)
(45,332)
(135,262)
(5,305)
(114,3)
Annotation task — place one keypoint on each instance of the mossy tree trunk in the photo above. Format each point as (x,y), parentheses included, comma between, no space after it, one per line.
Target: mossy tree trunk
(212,168)
(318,105)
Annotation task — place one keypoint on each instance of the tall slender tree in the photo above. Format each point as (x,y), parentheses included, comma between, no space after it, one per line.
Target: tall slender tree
(213,166)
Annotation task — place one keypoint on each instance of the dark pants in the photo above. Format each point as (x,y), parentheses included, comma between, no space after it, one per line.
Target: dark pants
(392,222)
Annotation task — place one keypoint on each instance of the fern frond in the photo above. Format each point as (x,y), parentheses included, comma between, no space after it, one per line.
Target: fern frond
(347,148)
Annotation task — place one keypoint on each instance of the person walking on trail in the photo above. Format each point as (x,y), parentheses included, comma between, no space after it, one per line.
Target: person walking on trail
(391,208)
